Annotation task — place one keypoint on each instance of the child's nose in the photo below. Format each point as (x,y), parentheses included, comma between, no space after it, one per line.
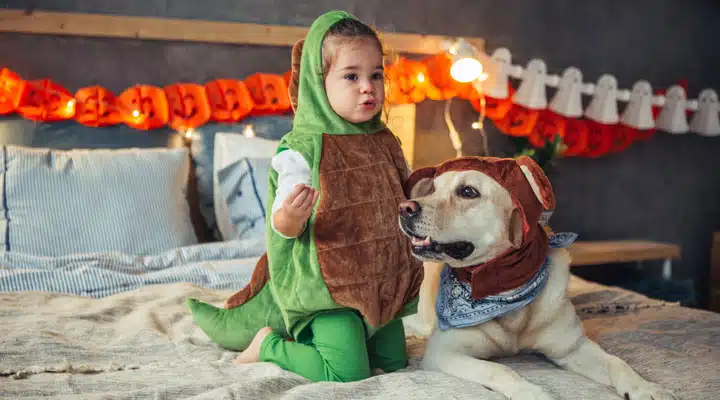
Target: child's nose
(366,87)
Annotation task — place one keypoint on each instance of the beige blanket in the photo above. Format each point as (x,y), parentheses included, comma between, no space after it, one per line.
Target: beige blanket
(144,345)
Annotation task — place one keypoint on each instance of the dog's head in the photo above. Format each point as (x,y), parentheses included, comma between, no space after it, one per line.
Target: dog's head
(470,210)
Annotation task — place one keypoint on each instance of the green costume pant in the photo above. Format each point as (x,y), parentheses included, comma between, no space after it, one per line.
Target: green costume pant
(338,351)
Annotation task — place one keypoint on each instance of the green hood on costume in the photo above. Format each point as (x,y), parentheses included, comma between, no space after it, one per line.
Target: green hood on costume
(295,290)
(314,115)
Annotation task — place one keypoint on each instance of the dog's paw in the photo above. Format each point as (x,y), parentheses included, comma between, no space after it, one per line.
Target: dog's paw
(648,391)
(531,392)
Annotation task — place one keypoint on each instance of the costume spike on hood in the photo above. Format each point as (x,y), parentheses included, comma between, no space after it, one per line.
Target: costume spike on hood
(314,115)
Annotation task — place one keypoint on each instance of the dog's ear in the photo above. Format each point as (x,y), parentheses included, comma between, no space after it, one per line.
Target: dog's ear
(538,181)
(295,73)
(420,183)
(516,228)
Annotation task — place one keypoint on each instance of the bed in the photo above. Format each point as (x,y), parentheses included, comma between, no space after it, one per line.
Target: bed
(92,297)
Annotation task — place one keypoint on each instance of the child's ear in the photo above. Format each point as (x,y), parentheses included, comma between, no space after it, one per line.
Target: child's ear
(295,72)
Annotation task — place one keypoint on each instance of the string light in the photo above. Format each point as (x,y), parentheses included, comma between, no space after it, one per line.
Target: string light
(70,106)
(248,131)
(465,65)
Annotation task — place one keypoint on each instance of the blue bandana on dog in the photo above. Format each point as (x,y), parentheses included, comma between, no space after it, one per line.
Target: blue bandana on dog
(456,308)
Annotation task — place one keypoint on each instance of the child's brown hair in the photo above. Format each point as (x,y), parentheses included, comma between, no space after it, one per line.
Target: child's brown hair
(343,32)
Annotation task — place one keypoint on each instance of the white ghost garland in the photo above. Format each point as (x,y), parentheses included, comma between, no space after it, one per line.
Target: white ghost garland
(706,120)
(672,118)
(638,113)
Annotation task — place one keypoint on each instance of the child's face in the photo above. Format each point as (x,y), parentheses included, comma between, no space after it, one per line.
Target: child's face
(354,83)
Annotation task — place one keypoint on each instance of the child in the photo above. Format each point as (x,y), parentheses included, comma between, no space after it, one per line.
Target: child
(342,274)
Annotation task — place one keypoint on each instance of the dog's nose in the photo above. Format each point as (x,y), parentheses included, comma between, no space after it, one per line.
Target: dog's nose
(409,209)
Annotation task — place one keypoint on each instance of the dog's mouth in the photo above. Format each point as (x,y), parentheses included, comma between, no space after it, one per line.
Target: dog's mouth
(426,247)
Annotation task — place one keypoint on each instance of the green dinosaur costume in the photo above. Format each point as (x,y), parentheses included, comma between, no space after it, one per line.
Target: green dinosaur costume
(352,257)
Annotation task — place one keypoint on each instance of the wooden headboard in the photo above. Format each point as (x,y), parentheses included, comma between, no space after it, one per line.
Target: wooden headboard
(714,302)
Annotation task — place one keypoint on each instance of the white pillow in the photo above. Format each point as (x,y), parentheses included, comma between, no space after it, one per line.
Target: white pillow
(240,184)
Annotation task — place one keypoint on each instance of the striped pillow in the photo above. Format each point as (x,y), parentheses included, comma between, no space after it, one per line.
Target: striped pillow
(59,202)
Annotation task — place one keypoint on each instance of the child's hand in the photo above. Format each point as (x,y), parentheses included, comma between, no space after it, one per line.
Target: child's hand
(297,207)
(299,203)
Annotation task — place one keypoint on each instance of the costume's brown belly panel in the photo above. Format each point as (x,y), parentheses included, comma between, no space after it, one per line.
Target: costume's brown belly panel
(364,258)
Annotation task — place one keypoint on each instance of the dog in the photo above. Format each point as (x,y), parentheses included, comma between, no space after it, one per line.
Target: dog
(476,224)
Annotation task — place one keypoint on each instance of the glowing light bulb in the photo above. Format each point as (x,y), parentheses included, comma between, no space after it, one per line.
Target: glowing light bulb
(466,69)
(136,113)
(465,64)
(421,77)
(475,125)
(69,106)
(189,133)
(248,131)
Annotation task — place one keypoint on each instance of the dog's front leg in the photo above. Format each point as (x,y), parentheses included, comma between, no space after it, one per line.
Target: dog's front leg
(453,352)
(592,361)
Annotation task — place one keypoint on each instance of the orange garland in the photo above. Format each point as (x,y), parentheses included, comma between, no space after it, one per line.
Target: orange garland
(183,106)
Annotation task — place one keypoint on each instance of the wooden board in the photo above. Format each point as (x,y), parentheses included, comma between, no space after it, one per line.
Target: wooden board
(400,119)
(714,302)
(619,251)
(151,28)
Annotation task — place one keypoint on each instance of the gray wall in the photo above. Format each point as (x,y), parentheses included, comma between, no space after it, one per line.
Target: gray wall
(667,189)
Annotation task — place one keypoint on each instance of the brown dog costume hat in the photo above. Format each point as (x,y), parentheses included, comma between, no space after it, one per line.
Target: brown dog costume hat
(533,198)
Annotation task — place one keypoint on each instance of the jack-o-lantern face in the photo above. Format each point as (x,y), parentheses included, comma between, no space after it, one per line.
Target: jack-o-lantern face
(576,137)
(441,85)
(44,100)
(495,109)
(286,77)
(96,106)
(229,100)
(600,139)
(548,126)
(518,121)
(407,81)
(622,137)
(269,93)
(187,105)
(144,107)
(11,91)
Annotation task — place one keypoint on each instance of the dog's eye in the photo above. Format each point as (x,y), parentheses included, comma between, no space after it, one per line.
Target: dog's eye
(468,192)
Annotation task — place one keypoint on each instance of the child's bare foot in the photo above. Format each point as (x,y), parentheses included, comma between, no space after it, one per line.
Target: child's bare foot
(252,353)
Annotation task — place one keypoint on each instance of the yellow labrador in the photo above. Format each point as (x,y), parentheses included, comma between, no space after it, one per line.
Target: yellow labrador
(460,215)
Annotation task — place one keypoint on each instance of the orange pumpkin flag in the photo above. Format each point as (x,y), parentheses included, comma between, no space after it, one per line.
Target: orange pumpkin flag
(229,100)
(269,93)
(96,106)
(286,77)
(441,86)
(622,137)
(407,81)
(11,91)
(45,100)
(518,121)
(549,125)
(495,109)
(188,106)
(576,137)
(143,107)
(600,139)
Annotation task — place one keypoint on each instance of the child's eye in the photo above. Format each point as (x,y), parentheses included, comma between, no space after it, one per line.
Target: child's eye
(377,76)
(351,77)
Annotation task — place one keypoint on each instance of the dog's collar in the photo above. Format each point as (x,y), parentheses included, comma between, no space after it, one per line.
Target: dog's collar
(456,307)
